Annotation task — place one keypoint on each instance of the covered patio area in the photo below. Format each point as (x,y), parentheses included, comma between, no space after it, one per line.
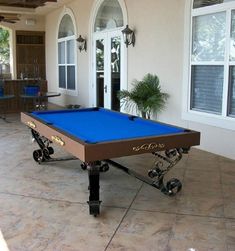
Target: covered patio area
(43,207)
(76,48)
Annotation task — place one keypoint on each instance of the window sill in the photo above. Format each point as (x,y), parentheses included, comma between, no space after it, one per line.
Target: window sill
(68,92)
(210,119)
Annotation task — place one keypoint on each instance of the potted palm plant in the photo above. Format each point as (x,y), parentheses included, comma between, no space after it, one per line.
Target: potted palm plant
(146,96)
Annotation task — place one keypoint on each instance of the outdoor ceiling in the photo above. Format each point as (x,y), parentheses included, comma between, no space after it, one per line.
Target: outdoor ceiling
(24,3)
(14,11)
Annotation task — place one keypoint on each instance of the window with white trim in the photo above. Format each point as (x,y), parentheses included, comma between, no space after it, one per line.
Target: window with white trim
(213,58)
(66,54)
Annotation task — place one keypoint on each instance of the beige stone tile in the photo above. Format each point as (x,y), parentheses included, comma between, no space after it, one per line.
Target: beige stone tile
(87,232)
(202,189)
(73,191)
(230,230)
(152,199)
(179,245)
(231,247)
(225,161)
(50,171)
(228,178)
(117,188)
(22,228)
(177,173)
(203,165)
(198,233)
(32,224)
(227,168)
(143,231)
(197,154)
(228,191)
(229,208)
(116,177)
(67,181)
(204,206)
(202,176)
(201,160)
(117,196)
(229,201)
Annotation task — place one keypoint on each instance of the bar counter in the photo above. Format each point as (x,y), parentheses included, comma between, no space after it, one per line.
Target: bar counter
(16,88)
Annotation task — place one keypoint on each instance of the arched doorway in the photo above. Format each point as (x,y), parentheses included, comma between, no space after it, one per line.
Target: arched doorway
(109,56)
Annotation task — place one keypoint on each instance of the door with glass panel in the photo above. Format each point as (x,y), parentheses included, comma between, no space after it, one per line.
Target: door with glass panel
(108,73)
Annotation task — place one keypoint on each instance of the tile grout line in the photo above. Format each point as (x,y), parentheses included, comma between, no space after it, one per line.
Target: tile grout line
(41,198)
(124,216)
(107,206)
(183,214)
(56,200)
(223,198)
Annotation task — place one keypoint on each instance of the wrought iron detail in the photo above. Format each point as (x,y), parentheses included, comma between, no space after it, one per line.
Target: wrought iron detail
(165,161)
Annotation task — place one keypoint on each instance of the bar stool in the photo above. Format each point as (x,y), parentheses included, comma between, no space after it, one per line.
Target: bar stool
(5,99)
(29,95)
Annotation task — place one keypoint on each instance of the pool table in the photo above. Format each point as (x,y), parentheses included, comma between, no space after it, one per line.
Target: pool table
(96,135)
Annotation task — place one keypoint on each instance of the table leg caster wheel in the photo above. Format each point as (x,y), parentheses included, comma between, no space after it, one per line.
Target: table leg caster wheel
(95,211)
(185,150)
(38,156)
(154,173)
(173,186)
(151,174)
(104,168)
(84,166)
(170,153)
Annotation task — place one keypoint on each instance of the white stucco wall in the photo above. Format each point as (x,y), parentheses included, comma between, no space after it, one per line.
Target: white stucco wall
(159,48)
(81,10)
(159,27)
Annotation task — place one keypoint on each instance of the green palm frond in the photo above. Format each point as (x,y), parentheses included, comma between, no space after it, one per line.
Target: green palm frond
(146,96)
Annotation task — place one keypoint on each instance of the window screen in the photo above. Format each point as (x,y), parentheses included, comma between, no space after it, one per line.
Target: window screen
(231,108)
(207,88)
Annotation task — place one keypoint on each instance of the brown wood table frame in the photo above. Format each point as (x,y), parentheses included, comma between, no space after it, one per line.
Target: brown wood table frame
(95,157)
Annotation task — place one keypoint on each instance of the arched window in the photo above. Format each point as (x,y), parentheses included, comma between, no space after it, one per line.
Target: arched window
(67,54)
(212,88)
(109,16)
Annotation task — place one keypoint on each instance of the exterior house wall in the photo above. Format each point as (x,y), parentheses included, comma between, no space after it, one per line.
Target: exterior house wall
(81,11)
(160,28)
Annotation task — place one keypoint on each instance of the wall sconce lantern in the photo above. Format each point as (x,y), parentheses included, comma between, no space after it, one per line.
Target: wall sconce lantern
(81,43)
(128,36)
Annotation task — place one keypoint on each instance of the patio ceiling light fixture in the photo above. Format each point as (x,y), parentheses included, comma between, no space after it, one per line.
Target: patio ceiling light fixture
(128,36)
(81,43)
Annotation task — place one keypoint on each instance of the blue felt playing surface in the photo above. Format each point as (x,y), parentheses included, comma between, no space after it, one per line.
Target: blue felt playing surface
(93,126)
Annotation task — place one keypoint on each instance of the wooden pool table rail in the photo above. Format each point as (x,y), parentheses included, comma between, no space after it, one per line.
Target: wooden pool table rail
(112,149)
